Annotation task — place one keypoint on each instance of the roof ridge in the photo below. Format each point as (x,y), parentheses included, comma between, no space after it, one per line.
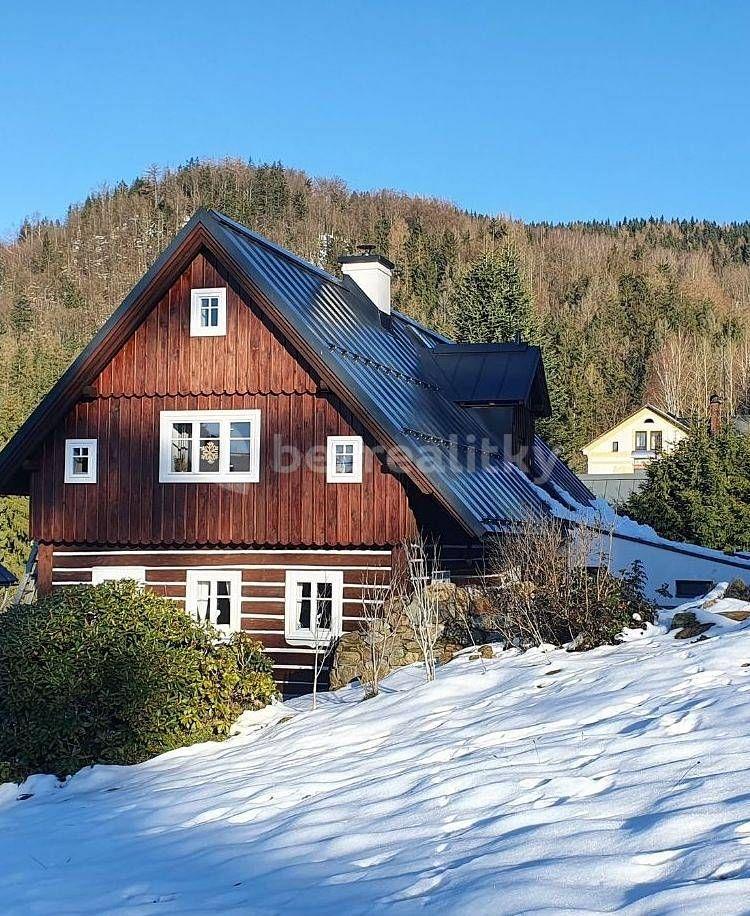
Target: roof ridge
(261,240)
(313,268)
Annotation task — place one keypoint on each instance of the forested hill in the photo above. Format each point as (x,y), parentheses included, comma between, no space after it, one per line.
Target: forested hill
(639,309)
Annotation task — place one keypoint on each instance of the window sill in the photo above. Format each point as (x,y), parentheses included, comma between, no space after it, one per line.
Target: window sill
(306,638)
(208,332)
(251,477)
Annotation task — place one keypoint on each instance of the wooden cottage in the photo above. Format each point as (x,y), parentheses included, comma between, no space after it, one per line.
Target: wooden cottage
(254,438)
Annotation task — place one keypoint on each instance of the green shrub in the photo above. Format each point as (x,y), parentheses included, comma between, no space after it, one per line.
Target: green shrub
(738,589)
(116,674)
(255,687)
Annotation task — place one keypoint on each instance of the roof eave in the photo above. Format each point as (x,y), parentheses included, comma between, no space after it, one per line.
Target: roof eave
(94,357)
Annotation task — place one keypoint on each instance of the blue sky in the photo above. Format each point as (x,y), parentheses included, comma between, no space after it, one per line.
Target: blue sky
(546,110)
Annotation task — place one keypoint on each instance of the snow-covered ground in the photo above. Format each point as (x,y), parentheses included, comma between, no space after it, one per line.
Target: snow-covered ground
(610,780)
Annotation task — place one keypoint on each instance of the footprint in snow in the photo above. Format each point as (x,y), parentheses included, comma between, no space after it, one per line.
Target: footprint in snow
(656,858)
(378,859)
(728,870)
(532,783)
(677,724)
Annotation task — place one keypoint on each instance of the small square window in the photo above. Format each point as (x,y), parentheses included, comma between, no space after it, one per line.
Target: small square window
(344,459)
(214,596)
(208,312)
(117,574)
(692,588)
(80,461)
(313,606)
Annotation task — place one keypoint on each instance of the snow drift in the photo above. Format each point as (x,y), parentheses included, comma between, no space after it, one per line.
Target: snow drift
(593,782)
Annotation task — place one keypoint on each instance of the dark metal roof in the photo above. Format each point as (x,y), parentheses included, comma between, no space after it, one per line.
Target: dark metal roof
(7,579)
(551,469)
(501,373)
(389,370)
(392,371)
(615,488)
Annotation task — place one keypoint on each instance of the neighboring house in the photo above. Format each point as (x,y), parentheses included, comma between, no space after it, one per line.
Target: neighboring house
(634,442)
(254,438)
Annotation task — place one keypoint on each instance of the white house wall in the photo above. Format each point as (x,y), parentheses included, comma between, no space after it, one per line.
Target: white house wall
(665,563)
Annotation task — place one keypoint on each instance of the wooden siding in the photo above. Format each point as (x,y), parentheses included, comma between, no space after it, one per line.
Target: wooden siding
(263,588)
(162,368)
(161,358)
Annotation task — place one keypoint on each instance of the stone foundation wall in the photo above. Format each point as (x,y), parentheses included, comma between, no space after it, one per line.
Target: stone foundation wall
(352,656)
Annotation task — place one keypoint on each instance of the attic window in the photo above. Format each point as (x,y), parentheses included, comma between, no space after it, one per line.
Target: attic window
(208,312)
(344,459)
(80,461)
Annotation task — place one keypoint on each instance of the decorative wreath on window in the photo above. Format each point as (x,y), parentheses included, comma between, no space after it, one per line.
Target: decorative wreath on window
(210,452)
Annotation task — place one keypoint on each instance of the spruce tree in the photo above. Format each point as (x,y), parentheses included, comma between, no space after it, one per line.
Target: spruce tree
(700,493)
(491,302)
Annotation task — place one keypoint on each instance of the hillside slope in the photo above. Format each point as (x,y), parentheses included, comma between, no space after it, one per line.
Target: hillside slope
(642,309)
(645,307)
(588,782)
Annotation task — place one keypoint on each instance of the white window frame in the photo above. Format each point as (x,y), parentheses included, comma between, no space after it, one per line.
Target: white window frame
(293,634)
(216,574)
(224,418)
(101,574)
(196,330)
(332,476)
(70,475)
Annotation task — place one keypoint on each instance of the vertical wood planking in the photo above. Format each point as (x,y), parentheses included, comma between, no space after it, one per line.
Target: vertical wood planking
(162,368)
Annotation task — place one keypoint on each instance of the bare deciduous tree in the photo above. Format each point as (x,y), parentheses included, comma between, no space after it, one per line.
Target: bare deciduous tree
(324,645)
(382,611)
(422,609)
(553,585)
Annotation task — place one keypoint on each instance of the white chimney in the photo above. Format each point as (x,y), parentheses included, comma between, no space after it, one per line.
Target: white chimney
(372,274)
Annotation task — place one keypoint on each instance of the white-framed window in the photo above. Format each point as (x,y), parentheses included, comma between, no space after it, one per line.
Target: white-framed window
(209,446)
(208,312)
(80,461)
(117,573)
(313,601)
(215,596)
(344,459)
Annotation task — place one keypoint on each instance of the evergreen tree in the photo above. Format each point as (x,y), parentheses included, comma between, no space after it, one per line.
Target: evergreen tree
(700,492)
(14,523)
(491,302)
